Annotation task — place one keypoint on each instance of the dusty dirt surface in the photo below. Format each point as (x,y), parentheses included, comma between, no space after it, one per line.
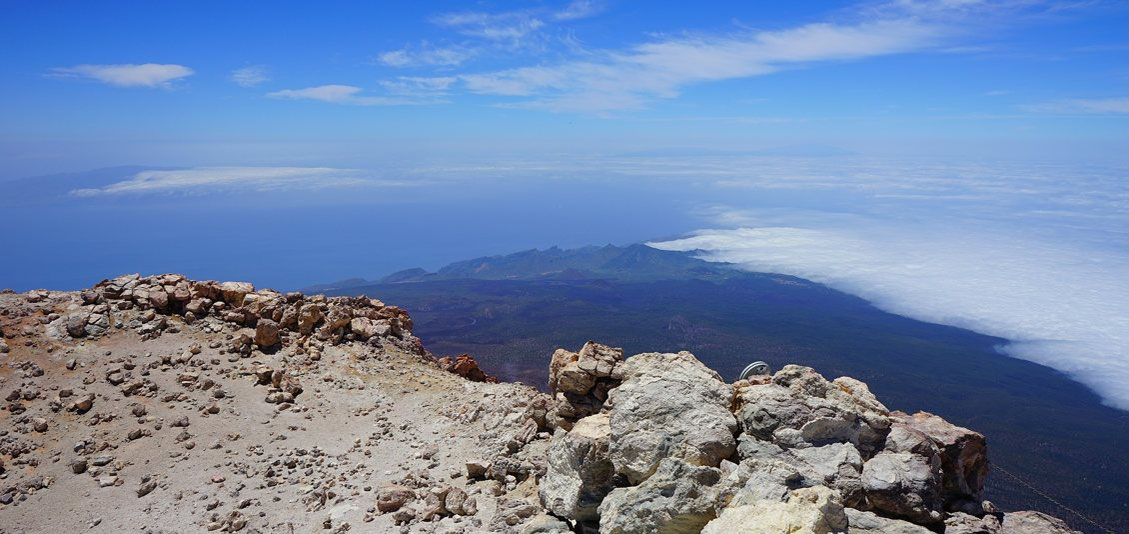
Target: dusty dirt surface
(162,404)
(179,435)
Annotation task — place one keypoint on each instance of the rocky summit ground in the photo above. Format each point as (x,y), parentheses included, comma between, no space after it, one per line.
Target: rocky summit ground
(162,404)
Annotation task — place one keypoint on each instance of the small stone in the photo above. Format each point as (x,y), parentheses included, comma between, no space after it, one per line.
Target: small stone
(146,488)
(393,497)
(476,469)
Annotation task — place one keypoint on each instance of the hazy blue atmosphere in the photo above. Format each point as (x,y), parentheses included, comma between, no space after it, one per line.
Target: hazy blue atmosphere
(959,162)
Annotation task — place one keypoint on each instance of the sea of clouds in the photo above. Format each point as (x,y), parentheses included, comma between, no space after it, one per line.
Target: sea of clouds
(1036,255)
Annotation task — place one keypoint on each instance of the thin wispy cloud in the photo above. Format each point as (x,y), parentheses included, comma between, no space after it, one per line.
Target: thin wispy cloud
(219,179)
(483,33)
(579,9)
(250,76)
(1099,106)
(127,75)
(615,80)
(1116,47)
(419,86)
(510,25)
(426,55)
(346,95)
(633,77)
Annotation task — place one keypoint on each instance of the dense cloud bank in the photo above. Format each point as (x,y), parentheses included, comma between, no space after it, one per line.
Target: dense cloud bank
(1062,304)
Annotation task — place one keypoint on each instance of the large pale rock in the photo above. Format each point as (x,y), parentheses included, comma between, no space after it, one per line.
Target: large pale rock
(546,524)
(363,327)
(677,498)
(580,472)
(338,316)
(861,522)
(761,479)
(308,318)
(669,405)
(904,485)
(198,307)
(233,292)
(262,303)
(76,323)
(800,408)
(767,470)
(1029,522)
(962,523)
(814,510)
(837,466)
(962,452)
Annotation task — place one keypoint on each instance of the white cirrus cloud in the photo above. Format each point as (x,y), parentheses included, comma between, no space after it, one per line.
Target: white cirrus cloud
(612,80)
(127,75)
(419,86)
(484,32)
(215,179)
(509,25)
(348,95)
(1097,106)
(579,9)
(426,55)
(250,76)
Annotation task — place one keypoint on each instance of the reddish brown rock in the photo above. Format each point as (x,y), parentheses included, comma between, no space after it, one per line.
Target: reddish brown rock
(465,366)
(580,381)
(266,333)
(393,497)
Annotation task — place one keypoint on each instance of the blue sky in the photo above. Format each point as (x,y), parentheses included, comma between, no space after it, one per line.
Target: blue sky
(956,161)
(94,84)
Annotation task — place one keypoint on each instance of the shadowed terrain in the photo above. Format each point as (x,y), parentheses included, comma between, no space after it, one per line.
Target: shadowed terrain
(511,312)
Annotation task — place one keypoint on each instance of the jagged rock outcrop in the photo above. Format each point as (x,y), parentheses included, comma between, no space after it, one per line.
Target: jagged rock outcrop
(794,452)
(142,303)
(580,381)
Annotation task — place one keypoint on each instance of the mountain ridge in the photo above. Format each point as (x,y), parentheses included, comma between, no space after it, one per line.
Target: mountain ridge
(632,262)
